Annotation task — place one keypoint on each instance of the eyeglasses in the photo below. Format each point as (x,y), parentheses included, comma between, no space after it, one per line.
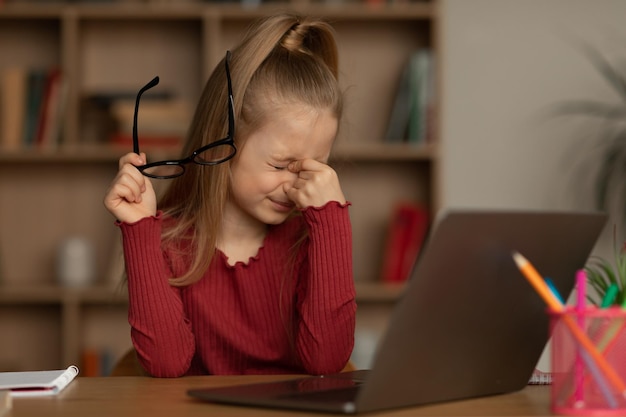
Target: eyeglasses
(212,154)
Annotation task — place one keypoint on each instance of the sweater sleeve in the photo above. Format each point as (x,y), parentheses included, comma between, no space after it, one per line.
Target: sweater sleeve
(160,331)
(326,305)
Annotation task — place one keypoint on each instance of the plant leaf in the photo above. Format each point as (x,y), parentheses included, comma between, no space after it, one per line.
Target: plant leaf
(613,77)
(612,170)
(603,180)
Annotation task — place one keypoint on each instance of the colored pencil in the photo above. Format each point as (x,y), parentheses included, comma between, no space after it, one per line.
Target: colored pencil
(537,282)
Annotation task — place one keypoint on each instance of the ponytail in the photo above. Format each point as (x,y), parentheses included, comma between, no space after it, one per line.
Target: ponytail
(282,60)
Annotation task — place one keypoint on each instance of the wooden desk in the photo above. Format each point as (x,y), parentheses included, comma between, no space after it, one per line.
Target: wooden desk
(143,396)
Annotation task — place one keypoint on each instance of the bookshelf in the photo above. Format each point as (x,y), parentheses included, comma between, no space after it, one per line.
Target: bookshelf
(103,47)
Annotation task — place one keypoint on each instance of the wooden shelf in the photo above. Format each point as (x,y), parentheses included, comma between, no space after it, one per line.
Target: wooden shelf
(52,294)
(107,11)
(116,46)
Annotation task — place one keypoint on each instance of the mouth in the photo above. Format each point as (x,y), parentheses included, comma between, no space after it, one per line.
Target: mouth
(283,206)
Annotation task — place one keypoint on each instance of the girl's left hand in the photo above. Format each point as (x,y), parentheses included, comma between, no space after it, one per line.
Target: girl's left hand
(316,184)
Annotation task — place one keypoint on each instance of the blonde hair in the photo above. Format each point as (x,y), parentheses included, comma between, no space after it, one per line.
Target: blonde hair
(282,59)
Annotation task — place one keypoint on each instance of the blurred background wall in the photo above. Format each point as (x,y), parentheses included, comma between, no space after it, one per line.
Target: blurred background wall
(504,64)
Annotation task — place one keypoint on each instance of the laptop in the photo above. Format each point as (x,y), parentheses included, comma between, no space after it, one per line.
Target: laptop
(467,325)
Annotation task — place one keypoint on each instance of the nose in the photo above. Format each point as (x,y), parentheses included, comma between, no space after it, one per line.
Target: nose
(289,178)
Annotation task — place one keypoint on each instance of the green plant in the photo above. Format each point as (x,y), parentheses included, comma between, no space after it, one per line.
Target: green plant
(601,274)
(610,136)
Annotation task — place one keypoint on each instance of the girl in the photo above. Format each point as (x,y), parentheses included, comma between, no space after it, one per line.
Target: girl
(246,265)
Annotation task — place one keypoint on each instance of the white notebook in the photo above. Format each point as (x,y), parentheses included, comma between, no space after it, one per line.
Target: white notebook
(37,383)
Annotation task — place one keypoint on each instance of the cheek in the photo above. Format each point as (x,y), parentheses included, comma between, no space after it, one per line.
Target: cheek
(268,182)
(248,184)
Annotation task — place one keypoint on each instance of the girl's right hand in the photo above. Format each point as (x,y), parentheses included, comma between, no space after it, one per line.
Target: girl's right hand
(131,196)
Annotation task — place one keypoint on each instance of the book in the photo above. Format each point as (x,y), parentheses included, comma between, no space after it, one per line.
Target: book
(427,98)
(412,110)
(13,88)
(36,84)
(421,86)
(405,236)
(37,383)
(97,362)
(91,362)
(542,375)
(52,109)
(401,109)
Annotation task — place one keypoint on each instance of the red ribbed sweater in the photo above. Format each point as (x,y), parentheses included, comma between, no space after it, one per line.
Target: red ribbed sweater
(270,315)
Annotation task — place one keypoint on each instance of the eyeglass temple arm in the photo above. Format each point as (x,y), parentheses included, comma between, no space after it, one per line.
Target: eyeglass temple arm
(231,115)
(148,86)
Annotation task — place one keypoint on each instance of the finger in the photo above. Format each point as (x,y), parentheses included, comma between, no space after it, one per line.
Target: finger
(299,183)
(132,171)
(304,165)
(134,187)
(123,192)
(130,176)
(117,196)
(295,166)
(306,175)
(133,159)
(307,165)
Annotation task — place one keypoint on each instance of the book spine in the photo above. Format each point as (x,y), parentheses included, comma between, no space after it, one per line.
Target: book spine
(12,107)
(91,362)
(405,235)
(414,85)
(36,90)
(47,129)
(401,110)
(97,362)
(421,86)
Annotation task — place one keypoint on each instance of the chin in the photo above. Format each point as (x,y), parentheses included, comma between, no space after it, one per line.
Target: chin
(276,221)
(276,218)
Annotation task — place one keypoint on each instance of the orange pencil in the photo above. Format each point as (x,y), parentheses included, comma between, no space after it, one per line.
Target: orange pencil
(533,277)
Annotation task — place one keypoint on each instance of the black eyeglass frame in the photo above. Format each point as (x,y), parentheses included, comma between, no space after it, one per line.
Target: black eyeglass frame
(227,141)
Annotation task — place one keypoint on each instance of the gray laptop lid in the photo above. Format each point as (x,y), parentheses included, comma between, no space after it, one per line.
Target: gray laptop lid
(468,323)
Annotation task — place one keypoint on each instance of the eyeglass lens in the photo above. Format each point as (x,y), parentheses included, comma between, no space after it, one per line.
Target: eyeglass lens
(211,156)
(163,171)
(215,154)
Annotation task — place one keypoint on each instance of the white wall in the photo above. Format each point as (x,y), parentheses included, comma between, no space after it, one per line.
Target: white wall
(503,63)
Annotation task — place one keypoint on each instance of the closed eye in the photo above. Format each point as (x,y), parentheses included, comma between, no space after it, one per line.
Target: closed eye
(279,167)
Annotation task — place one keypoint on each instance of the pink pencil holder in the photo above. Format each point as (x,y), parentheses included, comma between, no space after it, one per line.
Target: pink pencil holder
(589,362)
